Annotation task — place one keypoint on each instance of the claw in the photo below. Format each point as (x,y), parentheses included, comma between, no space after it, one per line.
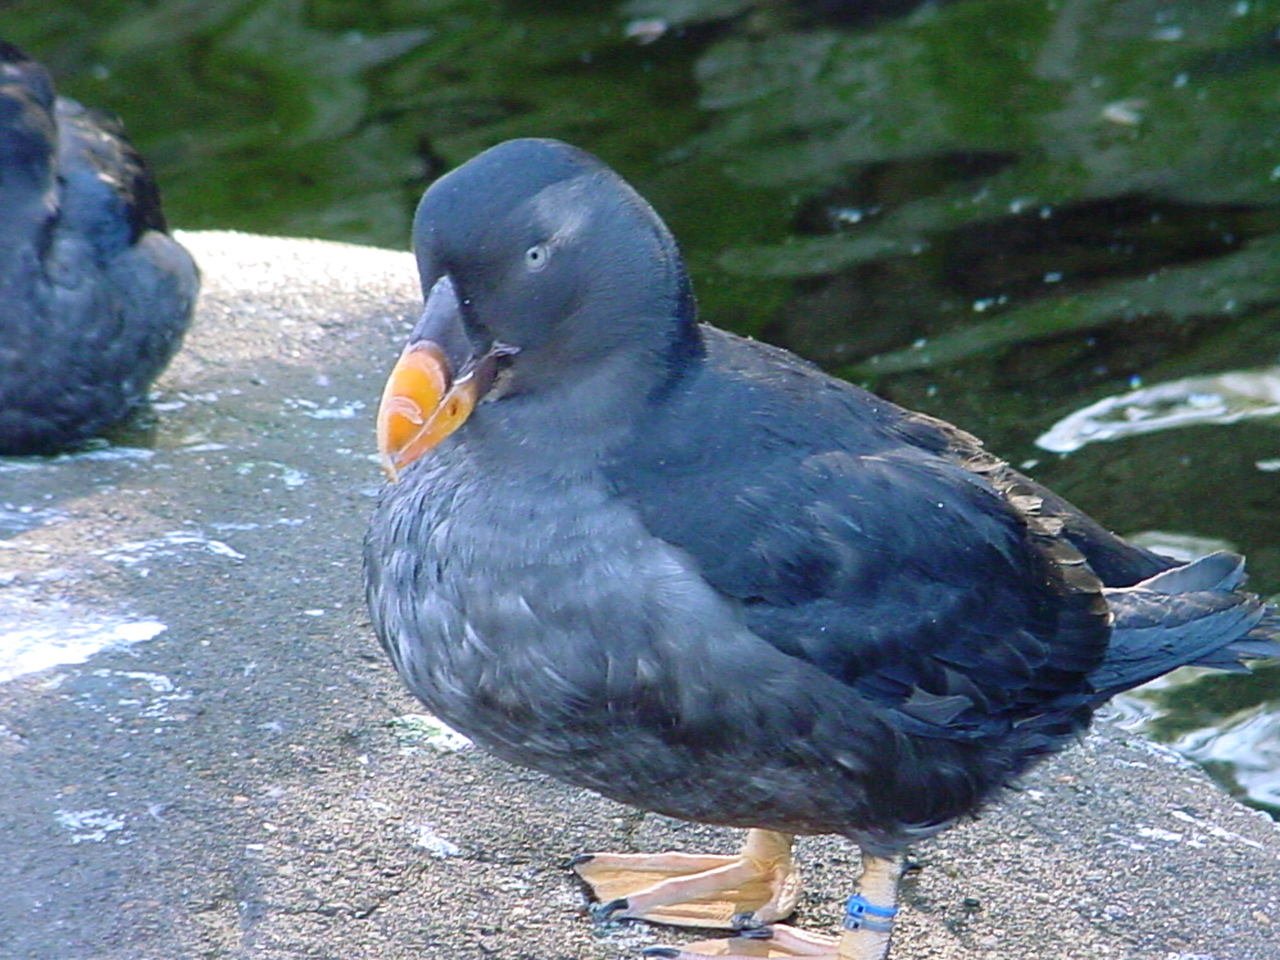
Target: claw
(603,912)
(665,953)
(577,859)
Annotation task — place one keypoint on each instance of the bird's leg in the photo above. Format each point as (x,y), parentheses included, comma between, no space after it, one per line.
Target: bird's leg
(757,886)
(868,916)
(868,925)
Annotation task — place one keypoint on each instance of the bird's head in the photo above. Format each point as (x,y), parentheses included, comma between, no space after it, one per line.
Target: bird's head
(539,262)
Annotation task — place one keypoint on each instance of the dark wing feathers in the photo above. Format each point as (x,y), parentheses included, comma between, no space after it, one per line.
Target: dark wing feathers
(1114,561)
(893,567)
(893,553)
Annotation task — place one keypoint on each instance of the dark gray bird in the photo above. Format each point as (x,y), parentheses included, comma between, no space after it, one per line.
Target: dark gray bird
(698,575)
(94,295)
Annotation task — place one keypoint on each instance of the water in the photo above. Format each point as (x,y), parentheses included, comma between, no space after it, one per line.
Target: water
(1002,212)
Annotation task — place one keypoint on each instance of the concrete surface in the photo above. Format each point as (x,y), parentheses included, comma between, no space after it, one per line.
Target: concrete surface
(243,785)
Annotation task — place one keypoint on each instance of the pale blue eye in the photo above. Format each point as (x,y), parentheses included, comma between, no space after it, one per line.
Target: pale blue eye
(536,257)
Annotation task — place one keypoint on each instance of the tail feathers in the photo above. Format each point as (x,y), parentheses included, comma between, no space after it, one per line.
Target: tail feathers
(1190,615)
(1217,571)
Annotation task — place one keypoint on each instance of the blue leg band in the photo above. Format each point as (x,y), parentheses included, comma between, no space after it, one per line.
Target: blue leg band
(861,914)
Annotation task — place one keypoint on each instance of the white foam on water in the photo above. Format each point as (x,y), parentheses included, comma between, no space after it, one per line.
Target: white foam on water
(1219,399)
(1250,744)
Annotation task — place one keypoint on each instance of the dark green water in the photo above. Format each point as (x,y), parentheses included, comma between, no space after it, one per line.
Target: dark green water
(997,211)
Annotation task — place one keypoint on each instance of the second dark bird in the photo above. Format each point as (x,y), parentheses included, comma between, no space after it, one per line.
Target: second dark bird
(95,296)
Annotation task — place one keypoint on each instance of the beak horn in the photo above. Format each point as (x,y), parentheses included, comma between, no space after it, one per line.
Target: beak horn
(421,405)
(433,387)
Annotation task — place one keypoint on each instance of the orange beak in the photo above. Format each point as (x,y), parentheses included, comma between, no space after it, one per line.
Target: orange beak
(421,405)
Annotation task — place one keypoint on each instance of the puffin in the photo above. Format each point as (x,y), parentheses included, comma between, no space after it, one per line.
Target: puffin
(95,296)
(698,575)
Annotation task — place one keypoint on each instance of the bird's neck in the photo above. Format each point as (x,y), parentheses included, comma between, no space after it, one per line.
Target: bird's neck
(572,425)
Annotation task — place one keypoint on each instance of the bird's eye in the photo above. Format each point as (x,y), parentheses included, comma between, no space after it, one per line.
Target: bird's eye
(536,257)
